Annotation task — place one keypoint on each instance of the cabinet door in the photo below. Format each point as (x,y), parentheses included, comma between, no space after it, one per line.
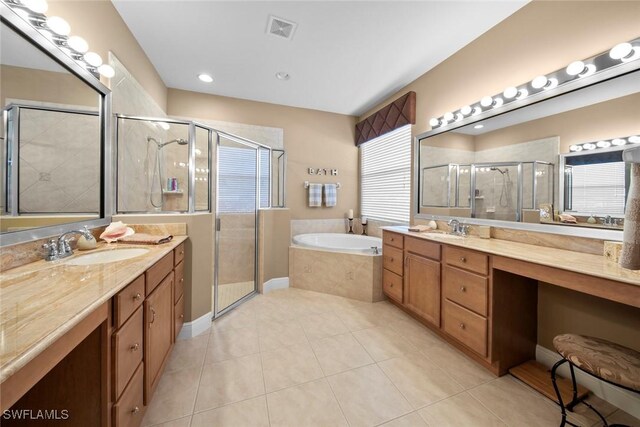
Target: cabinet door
(422,287)
(158,333)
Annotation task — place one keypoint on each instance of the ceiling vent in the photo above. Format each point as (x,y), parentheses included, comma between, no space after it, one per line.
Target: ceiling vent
(281,28)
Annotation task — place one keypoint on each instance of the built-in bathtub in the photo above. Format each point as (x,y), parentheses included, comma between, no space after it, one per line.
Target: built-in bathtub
(347,265)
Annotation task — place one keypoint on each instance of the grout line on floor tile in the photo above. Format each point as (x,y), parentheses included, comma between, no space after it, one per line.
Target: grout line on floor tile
(485,406)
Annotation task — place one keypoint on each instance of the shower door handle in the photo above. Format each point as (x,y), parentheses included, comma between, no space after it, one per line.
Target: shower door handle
(217,224)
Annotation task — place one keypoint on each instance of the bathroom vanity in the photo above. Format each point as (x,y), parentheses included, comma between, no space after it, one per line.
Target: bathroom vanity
(481,294)
(89,343)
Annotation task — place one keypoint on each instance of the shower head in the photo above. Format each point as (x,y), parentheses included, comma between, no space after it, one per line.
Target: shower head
(493,168)
(180,141)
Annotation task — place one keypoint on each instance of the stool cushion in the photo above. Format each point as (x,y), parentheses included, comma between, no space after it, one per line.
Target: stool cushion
(611,362)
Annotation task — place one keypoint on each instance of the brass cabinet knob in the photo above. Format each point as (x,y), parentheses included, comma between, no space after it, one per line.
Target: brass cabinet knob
(463,289)
(463,259)
(135,410)
(135,347)
(137,297)
(182,280)
(182,316)
(153,312)
(391,285)
(181,252)
(462,326)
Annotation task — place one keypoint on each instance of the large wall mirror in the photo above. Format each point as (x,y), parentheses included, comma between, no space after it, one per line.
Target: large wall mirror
(53,135)
(557,162)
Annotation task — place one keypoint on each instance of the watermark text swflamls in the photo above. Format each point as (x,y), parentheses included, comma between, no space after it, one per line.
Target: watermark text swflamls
(35,414)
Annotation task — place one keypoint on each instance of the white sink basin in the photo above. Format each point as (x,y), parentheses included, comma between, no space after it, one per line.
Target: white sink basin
(105,257)
(446,236)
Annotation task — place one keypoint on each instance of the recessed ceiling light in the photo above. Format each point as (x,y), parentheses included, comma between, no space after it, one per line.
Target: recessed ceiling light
(205,78)
(283,75)
(478,126)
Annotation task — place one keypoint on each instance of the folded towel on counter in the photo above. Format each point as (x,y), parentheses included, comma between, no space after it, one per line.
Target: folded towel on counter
(330,195)
(420,228)
(315,195)
(569,219)
(147,239)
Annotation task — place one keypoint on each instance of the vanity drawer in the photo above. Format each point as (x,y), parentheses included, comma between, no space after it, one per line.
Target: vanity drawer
(392,259)
(467,289)
(392,239)
(422,247)
(465,326)
(178,254)
(159,271)
(179,317)
(127,351)
(129,410)
(128,300)
(392,285)
(178,289)
(466,259)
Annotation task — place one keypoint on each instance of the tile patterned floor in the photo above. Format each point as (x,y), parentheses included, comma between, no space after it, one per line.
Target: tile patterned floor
(298,358)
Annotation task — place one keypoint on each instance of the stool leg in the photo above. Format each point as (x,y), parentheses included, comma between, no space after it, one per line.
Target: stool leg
(557,390)
(574,398)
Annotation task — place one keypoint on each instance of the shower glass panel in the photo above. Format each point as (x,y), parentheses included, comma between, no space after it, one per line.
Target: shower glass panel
(278,159)
(237,214)
(153,165)
(437,185)
(265,177)
(464,186)
(202,171)
(495,190)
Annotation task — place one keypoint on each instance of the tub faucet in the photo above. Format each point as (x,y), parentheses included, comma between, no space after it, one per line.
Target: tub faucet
(375,250)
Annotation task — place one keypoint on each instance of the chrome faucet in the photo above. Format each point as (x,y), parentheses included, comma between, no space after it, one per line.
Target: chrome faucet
(60,247)
(375,250)
(457,228)
(609,221)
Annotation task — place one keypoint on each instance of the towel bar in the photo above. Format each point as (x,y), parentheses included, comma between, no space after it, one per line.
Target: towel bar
(306,185)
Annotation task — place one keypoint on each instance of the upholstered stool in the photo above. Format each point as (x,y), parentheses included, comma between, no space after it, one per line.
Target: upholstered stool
(602,359)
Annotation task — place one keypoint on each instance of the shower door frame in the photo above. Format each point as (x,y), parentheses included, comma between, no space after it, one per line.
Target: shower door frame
(472,191)
(256,146)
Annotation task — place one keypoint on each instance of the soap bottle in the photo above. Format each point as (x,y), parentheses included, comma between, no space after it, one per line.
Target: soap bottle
(591,219)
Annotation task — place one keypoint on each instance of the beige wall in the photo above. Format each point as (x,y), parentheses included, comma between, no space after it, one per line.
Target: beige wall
(541,37)
(311,139)
(275,229)
(98,22)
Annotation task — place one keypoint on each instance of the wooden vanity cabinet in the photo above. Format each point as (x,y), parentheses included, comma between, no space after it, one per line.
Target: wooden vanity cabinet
(422,287)
(178,294)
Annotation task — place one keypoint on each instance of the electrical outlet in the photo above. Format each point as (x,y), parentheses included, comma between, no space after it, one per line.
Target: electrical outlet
(307,269)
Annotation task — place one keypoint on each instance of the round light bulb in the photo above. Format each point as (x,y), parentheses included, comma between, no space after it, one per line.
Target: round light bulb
(459,117)
(433,122)
(37,6)
(476,111)
(621,51)
(93,59)
(58,25)
(573,148)
(205,78)
(539,82)
(497,102)
(603,144)
(486,101)
(575,68)
(589,146)
(448,116)
(466,110)
(107,71)
(510,92)
(618,141)
(78,44)
(634,139)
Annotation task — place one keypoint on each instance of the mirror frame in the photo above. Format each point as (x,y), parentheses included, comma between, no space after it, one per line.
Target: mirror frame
(21,27)
(571,86)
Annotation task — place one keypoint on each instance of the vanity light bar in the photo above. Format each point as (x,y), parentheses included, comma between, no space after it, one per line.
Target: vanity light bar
(57,30)
(616,142)
(620,53)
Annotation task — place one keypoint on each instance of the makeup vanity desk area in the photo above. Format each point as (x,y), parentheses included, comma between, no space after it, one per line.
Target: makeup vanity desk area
(481,294)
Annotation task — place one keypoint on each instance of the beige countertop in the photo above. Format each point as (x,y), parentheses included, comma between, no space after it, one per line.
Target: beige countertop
(592,265)
(41,301)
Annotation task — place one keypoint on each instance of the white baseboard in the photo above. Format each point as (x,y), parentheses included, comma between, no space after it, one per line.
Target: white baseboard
(196,327)
(623,399)
(276,283)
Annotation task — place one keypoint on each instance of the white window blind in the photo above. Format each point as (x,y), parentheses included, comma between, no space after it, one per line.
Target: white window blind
(236,179)
(598,188)
(385,174)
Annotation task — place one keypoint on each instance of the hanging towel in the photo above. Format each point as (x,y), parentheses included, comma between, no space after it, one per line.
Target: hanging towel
(330,195)
(315,195)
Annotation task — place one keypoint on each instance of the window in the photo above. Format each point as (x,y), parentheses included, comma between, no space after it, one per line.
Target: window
(385,176)
(597,188)
(236,179)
